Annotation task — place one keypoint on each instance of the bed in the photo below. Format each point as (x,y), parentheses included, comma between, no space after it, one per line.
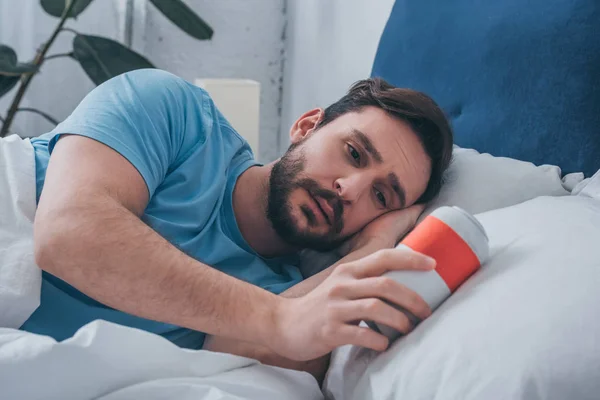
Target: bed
(521,84)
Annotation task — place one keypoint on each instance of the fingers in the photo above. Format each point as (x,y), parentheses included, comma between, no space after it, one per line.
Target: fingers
(387,289)
(420,207)
(409,219)
(361,336)
(374,310)
(408,216)
(386,260)
(416,210)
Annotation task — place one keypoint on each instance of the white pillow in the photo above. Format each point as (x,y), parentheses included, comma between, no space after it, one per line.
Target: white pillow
(526,326)
(479,182)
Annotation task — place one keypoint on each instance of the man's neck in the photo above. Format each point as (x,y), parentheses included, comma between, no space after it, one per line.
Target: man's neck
(250,199)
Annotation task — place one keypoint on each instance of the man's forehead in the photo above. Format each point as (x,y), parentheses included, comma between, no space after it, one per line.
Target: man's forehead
(377,125)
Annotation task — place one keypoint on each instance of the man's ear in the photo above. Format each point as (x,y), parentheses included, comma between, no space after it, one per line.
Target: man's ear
(305,125)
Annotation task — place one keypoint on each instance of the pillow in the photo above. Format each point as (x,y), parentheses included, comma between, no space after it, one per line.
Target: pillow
(517,78)
(477,183)
(481,182)
(525,326)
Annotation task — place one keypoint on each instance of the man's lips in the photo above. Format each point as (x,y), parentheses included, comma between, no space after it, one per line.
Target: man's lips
(316,208)
(325,208)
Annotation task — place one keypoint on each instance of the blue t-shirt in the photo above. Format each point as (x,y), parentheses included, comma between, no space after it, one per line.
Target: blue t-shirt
(190,158)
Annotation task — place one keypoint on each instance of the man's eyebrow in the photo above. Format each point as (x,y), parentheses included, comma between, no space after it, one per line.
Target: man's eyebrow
(367,144)
(397,187)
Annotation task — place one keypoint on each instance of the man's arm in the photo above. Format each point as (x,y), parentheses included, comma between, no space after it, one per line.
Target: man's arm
(88,232)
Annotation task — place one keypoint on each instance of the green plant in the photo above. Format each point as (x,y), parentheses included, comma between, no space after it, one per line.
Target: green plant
(101,58)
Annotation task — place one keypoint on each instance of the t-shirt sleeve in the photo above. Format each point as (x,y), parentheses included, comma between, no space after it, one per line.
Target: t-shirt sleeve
(141,115)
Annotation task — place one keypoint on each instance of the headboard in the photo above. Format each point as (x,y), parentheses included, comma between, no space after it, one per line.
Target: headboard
(518,78)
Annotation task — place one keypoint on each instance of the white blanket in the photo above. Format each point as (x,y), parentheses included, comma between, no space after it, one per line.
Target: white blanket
(20,278)
(111,362)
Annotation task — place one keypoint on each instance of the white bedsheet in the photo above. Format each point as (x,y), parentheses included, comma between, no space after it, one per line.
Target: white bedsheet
(111,362)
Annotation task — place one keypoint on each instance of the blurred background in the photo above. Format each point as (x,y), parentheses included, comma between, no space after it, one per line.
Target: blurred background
(303,53)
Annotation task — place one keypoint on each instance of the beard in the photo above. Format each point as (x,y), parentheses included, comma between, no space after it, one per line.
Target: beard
(284,180)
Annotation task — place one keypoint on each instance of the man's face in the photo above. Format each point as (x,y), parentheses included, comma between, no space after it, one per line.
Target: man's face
(335,180)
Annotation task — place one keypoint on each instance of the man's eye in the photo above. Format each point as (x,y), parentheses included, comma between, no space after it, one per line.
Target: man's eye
(380,198)
(354,154)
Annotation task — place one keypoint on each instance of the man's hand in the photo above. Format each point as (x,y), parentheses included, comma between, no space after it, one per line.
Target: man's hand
(388,229)
(316,367)
(382,233)
(313,325)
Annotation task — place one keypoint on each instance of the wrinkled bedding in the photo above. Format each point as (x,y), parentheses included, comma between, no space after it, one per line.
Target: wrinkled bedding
(525,327)
(112,362)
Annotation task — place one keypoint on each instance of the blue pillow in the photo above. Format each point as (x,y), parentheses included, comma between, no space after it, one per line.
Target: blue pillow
(518,78)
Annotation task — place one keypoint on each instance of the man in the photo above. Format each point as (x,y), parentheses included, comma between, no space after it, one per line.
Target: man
(153,214)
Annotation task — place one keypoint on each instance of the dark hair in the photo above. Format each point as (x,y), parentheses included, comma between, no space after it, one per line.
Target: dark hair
(417,109)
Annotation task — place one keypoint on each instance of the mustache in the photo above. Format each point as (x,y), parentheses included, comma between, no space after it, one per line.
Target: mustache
(332,198)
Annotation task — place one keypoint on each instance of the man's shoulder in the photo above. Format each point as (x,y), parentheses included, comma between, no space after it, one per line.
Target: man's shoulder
(153,89)
(154,77)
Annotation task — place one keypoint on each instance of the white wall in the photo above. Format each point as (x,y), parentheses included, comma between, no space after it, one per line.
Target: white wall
(248,43)
(330,44)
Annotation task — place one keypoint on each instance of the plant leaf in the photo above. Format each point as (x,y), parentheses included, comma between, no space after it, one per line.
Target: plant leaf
(9,65)
(103,58)
(57,7)
(183,16)
(7,83)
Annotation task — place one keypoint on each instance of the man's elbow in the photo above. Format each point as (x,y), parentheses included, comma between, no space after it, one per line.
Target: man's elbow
(52,244)
(44,246)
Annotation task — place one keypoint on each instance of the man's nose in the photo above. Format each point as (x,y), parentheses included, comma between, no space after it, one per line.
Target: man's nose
(350,189)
